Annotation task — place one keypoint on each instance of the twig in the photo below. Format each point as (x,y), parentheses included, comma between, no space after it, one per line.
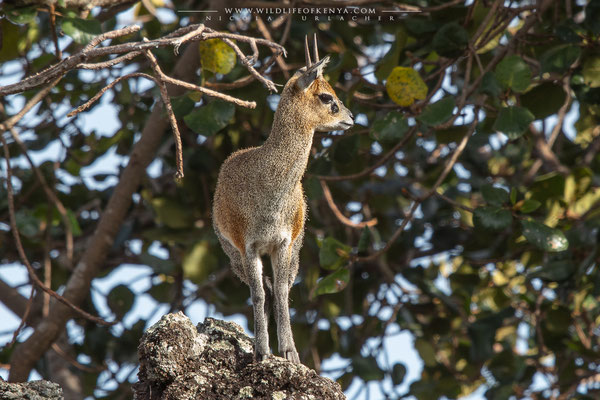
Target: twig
(247,62)
(111,35)
(267,35)
(110,63)
(13,224)
(546,153)
(67,357)
(12,121)
(411,213)
(53,31)
(379,163)
(169,109)
(562,113)
(208,92)
(90,52)
(241,82)
(23,318)
(188,36)
(51,195)
(529,21)
(341,217)
(91,101)
(454,203)
(77,287)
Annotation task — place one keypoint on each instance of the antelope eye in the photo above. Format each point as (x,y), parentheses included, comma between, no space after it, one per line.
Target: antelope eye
(326,98)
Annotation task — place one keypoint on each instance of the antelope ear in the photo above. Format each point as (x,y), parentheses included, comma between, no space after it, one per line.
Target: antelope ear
(310,74)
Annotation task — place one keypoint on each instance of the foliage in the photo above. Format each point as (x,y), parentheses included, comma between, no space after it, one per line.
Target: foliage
(486,196)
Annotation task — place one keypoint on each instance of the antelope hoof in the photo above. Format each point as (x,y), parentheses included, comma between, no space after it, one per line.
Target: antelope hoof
(258,356)
(291,356)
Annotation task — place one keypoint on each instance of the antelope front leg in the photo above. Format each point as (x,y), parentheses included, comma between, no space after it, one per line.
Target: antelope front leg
(254,272)
(281,288)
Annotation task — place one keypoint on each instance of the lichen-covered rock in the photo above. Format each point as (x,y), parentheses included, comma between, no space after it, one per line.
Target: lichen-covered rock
(168,347)
(215,361)
(34,390)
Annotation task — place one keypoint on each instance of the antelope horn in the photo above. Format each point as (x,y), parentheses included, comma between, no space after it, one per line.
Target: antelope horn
(307,52)
(316,49)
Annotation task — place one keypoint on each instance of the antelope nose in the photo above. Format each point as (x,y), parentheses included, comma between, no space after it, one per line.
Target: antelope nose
(351,115)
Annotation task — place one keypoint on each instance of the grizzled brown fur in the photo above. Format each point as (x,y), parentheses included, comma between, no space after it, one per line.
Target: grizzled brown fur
(259,205)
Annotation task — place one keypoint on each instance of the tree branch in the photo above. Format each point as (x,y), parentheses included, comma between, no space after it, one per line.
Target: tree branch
(77,288)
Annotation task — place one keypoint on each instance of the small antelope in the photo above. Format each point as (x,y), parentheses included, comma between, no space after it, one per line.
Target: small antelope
(259,206)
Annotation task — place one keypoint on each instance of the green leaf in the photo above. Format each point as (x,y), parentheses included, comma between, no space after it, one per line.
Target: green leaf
(200,262)
(494,218)
(483,332)
(23,15)
(367,369)
(390,60)
(345,149)
(120,300)
(438,112)
(513,121)
(490,85)
(592,17)
(544,237)
(426,351)
(9,40)
(81,30)
(512,72)
(451,134)
(591,72)
(27,224)
(333,253)
(450,40)
(554,271)
(398,373)
(391,128)
(543,100)
(162,292)
(158,265)
(513,196)
(75,228)
(558,319)
(529,205)
(211,118)
(494,195)
(334,282)
(566,32)
(559,59)
(171,213)
(364,241)
(182,105)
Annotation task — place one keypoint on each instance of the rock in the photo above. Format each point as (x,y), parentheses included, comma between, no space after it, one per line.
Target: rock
(215,361)
(34,390)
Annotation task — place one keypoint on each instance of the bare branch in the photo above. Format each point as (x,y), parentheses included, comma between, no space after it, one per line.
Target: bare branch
(169,109)
(338,214)
(12,121)
(90,52)
(77,288)
(13,225)
(52,197)
(23,318)
(411,213)
(91,101)
(381,161)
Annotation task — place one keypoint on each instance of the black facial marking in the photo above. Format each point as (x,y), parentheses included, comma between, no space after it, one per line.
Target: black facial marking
(325,98)
(334,108)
